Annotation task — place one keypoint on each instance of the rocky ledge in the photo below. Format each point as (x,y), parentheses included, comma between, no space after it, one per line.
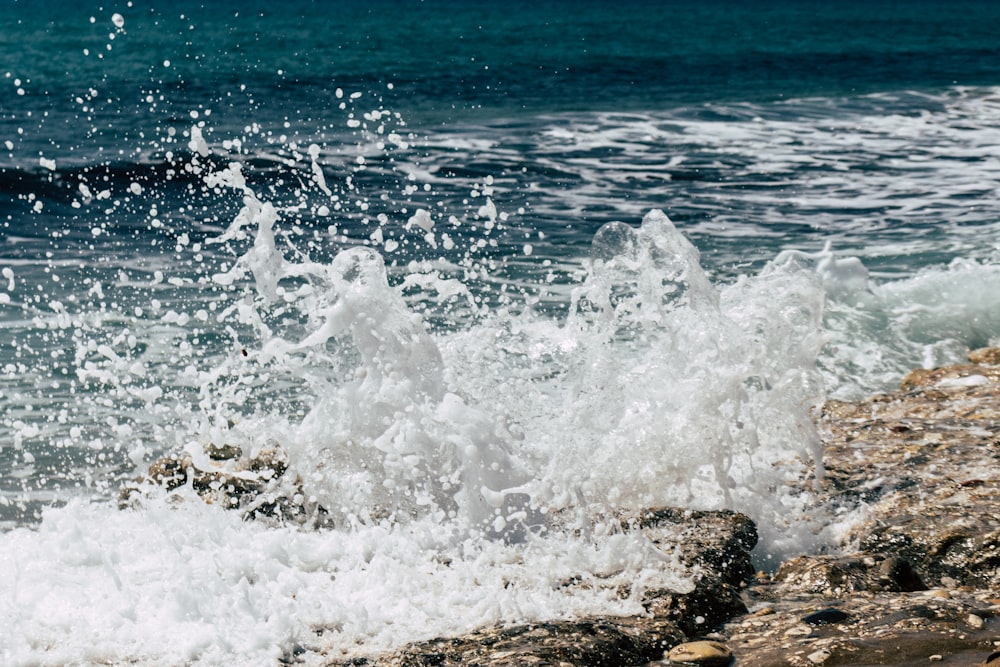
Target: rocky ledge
(916,580)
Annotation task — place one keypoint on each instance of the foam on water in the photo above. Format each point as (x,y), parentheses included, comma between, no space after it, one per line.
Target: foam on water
(467,470)
(469,402)
(190,584)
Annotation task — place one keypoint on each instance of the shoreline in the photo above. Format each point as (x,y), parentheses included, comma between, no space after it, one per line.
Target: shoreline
(915,578)
(917,581)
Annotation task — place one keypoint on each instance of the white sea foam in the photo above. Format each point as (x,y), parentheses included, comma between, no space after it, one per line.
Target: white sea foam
(444,458)
(190,584)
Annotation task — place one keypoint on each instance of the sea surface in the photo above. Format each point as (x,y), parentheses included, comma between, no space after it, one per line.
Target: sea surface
(482,270)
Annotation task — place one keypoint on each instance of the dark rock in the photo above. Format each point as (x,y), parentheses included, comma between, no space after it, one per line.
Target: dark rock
(710,604)
(966,555)
(720,541)
(839,575)
(717,545)
(828,616)
(901,574)
(594,643)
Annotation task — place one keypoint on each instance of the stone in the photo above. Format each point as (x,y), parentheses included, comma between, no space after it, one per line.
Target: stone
(985,356)
(590,643)
(703,653)
(901,574)
(223,452)
(721,541)
(922,378)
(717,546)
(818,657)
(255,486)
(848,574)
(828,616)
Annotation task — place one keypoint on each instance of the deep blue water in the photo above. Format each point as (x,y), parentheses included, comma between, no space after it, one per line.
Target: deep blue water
(501,70)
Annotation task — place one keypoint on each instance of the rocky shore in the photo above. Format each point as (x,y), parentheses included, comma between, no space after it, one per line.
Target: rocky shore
(915,581)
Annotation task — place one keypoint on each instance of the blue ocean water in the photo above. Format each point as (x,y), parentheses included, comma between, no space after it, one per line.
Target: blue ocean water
(387,234)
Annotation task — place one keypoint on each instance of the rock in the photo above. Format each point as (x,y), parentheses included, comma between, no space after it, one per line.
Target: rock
(224,476)
(923,377)
(710,604)
(847,574)
(719,541)
(590,643)
(900,574)
(828,616)
(922,465)
(819,657)
(985,356)
(716,545)
(223,452)
(704,653)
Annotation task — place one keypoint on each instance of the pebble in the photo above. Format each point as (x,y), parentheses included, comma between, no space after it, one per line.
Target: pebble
(975,622)
(704,653)
(765,611)
(937,657)
(819,657)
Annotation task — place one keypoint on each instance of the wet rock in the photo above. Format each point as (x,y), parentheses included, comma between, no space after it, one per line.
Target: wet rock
(703,653)
(985,356)
(222,475)
(966,555)
(828,616)
(900,575)
(592,643)
(223,452)
(715,545)
(922,465)
(835,575)
(710,604)
(718,541)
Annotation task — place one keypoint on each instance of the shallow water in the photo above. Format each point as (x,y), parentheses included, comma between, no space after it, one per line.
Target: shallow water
(422,249)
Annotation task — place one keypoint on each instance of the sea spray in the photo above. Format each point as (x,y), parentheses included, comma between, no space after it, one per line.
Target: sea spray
(665,389)
(389,440)
(679,392)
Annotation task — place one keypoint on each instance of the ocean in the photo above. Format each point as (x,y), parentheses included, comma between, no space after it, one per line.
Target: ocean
(489,273)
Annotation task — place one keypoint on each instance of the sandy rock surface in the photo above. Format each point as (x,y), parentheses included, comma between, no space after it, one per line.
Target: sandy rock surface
(918,581)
